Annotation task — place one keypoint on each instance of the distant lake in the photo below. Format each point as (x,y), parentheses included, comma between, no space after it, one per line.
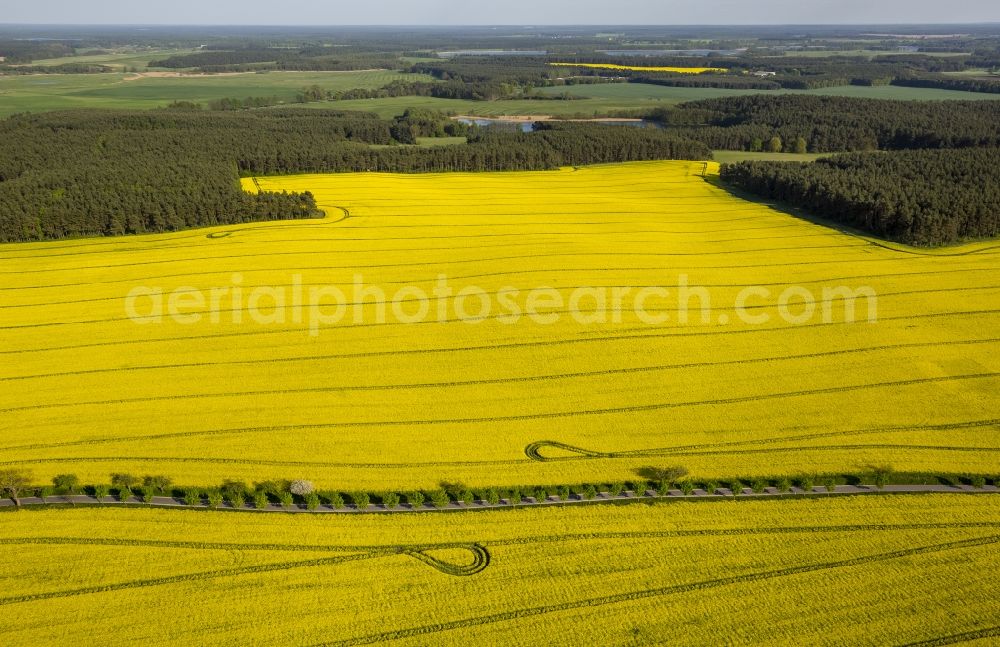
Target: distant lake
(529,126)
(492,52)
(672,52)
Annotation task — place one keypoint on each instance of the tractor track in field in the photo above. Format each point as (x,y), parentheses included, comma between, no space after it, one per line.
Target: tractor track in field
(954,639)
(487,347)
(514,257)
(494,463)
(163,246)
(176,579)
(283,307)
(338,239)
(566,270)
(481,556)
(551,415)
(533,450)
(630,596)
(512,541)
(532,238)
(480,561)
(456,383)
(351,267)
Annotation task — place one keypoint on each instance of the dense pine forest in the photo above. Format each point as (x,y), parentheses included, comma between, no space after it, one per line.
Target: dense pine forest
(107,173)
(927,197)
(91,173)
(833,124)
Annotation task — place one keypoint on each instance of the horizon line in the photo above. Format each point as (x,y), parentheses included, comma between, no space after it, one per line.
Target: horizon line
(514,25)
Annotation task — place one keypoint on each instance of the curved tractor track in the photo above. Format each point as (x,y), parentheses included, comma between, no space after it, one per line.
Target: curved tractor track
(481,560)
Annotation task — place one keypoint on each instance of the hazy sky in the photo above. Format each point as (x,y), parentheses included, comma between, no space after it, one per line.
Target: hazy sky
(505,12)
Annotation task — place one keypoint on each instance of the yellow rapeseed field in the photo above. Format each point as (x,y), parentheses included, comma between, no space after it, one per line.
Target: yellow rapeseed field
(643,68)
(369,404)
(862,570)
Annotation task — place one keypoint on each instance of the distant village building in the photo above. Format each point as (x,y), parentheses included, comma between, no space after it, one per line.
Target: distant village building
(763,74)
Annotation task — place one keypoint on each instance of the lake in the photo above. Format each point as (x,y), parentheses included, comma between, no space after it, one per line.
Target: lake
(529,126)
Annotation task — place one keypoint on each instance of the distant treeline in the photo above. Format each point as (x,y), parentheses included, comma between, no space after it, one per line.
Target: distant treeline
(494,77)
(93,173)
(299,59)
(723,81)
(552,145)
(788,72)
(832,124)
(928,197)
(953,83)
(437,89)
(492,69)
(26,51)
(62,68)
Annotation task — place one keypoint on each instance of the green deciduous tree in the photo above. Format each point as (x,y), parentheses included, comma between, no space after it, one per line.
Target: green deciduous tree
(13,482)
(361,500)
(101,492)
(157,483)
(440,499)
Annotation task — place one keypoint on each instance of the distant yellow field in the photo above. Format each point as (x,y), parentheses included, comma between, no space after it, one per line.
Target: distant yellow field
(362,404)
(863,570)
(642,68)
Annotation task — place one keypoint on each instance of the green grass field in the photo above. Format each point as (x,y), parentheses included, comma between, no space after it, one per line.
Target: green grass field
(599,100)
(118,59)
(38,93)
(440,141)
(741,156)
(392,107)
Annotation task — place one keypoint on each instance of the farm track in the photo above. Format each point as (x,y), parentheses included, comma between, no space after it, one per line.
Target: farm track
(602,498)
